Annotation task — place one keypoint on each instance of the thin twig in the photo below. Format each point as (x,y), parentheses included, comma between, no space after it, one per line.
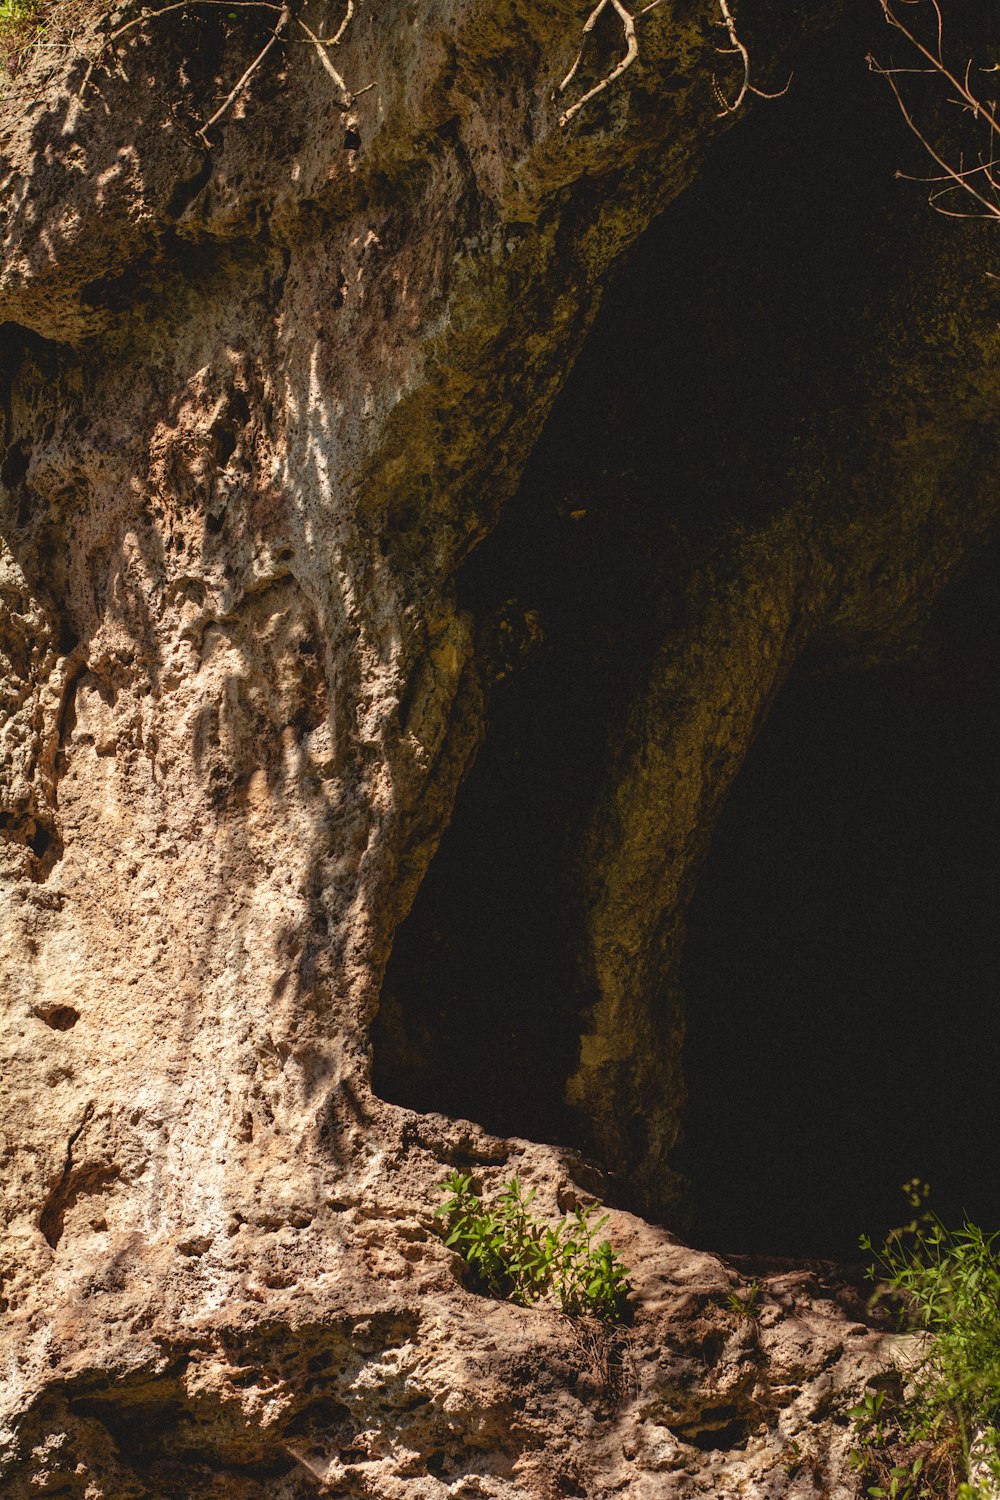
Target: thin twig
(628,20)
(346,98)
(957,179)
(938,65)
(240,85)
(588,27)
(728,20)
(952,213)
(335,40)
(986,166)
(152,15)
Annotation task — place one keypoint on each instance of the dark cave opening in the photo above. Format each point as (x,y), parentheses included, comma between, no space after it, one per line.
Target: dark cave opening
(842,966)
(735,318)
(481,1006)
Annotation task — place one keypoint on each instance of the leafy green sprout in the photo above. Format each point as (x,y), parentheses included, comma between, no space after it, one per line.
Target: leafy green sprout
(14,13)
(945,1284)
(512,1254)
(746,1305)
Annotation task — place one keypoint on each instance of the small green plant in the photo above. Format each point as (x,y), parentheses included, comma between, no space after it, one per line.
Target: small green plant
(881,1435)
(502,1246)
(16,10)
(512,1254)
(945,1284)
(746,1305)
(16,17)
(588,1277)
(25,24)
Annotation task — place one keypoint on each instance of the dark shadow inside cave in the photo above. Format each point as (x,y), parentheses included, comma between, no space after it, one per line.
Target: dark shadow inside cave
(842,968)
(738,316)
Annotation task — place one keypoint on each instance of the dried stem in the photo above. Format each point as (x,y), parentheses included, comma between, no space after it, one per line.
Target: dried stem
(285,15)
(152,15)
(336,39)
(980,109)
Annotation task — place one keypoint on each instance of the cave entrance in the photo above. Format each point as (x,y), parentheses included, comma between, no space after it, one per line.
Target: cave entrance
(482,1003)
(477,1017)
(842,966)
(826,966)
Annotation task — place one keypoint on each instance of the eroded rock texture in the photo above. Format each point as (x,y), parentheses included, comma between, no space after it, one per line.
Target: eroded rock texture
(262,397)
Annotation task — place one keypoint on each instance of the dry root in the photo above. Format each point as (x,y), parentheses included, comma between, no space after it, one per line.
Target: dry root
(283,19)
(631,53)
(286,17)
(737,48)
(628,19)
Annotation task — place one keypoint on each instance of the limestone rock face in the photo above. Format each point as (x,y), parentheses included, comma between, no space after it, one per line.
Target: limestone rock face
(263,391)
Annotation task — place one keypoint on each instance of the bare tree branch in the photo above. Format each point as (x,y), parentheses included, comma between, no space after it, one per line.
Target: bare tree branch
(937,64)
(986,191)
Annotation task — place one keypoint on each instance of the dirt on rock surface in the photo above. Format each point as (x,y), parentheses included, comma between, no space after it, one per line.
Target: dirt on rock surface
(266,384)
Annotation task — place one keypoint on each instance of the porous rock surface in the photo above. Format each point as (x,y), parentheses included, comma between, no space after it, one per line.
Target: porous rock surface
(262,392)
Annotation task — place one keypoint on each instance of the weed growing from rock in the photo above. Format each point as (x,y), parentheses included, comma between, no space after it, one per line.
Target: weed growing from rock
(935,1432)
(512,1254)
(16,19)
(746,1305)
(13,12)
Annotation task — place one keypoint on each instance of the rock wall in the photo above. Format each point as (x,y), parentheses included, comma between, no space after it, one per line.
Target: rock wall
(264,390)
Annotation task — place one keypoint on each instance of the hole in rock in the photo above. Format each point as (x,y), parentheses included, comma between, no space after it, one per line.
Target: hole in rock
(40,840)
(59,1017)
(741,315)
(482,1003)
(733,1431)
(842,966)
(15,464)
(480,1012)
